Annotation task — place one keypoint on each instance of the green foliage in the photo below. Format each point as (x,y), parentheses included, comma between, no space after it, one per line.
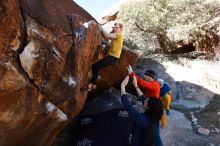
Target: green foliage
(151,24)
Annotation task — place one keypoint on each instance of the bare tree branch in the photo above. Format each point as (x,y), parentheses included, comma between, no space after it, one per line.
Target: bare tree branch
(142,29)
(158,9)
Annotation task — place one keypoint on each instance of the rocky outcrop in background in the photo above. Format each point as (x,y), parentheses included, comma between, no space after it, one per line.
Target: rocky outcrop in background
(210,40)
(42,68)
(207,43)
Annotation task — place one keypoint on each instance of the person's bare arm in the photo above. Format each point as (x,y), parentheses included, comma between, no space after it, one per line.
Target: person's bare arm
(123,84)
(139,92)
(107,35)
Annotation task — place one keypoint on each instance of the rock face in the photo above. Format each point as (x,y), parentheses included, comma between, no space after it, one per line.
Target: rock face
(208,42)
(108,18)
(203,131)
(42,68)
(114,74)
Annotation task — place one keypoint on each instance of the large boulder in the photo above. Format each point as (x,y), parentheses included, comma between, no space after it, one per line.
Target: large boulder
(114,74)
(41,71)
(42,67)
(209,41)
(206,43)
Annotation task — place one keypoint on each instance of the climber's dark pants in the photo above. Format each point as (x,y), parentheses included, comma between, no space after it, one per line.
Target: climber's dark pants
(109,60)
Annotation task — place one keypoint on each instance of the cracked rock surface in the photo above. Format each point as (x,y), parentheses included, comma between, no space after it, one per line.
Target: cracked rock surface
(42,68)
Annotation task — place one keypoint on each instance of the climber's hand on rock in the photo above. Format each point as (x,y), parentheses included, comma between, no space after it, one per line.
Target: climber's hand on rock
(130,70)
(86,25)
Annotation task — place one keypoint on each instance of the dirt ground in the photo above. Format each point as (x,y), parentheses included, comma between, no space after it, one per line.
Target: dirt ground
(208,117)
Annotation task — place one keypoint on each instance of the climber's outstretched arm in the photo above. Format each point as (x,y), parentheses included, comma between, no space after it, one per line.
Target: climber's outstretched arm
(107,35)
